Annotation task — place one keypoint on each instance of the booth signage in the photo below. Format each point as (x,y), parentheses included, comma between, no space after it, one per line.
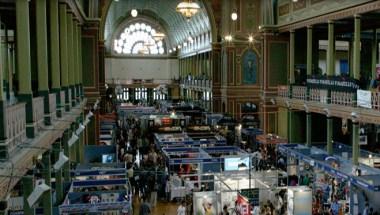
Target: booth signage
(364,98)
(243,205)
(332,83)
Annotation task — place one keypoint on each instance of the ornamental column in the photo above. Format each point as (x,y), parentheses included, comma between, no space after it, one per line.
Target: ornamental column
(27,187)
(66,149)
(308,129)
(309,53)
(58,174)
(329,135)
(374,54)
(46,174)
(291,57)
(54,54)
(70,46)
(80,61)
(24,72)
(42,56)
(63,47)
(331,49)
(356,63)
(75,60)
(355,142)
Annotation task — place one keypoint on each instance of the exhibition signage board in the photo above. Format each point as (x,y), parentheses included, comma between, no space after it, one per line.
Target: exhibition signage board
(195,160)
(364,98)
(243,205)
(93,208)
(338,83)
(105,182)
(253,196)
(98,172)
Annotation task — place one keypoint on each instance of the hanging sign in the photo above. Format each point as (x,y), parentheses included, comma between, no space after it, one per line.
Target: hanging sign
(332,83)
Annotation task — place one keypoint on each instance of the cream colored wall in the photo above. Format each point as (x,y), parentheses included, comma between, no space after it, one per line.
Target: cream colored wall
(141,68)
(339,55)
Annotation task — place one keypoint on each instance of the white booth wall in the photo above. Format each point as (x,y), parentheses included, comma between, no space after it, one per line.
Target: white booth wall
(124,68)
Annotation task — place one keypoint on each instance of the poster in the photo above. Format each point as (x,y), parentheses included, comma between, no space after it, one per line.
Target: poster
(205,203)
(364,98)
(243,205)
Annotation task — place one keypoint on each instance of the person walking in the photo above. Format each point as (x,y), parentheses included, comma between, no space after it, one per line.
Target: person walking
(181,210)
(144,207)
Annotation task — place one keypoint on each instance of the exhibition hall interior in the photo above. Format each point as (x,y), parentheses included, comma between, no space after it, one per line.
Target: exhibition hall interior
(190,107)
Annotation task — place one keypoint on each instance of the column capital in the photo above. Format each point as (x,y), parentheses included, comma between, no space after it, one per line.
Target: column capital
(292,30)
(309,27)
(357,16)
(330,21)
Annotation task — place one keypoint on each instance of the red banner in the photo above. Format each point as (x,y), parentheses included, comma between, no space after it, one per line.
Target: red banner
(243,205)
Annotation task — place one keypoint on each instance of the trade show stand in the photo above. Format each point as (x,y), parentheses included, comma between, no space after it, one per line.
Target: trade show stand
(97,196)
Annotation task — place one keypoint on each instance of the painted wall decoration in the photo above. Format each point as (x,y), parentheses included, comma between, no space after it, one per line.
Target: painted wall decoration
(250,66)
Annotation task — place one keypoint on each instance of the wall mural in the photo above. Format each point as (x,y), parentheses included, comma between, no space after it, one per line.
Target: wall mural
(250,66)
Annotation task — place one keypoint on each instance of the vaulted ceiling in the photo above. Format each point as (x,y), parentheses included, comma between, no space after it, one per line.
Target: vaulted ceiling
(164,11)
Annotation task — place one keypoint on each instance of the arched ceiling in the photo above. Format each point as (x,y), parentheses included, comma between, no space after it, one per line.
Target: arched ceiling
(176,25)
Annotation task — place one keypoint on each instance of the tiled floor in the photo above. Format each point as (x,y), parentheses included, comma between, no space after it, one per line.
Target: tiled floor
(162,208)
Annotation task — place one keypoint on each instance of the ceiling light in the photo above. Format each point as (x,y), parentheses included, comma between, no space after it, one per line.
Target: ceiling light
(295,0)
(170,51)
(188,8)
(134,13)
(234,15)
(250,39)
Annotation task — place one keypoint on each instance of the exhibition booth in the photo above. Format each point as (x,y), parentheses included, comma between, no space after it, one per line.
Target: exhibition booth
(97,196)
(333,177)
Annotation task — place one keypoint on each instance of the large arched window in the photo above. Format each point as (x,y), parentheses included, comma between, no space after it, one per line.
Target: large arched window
(138,38)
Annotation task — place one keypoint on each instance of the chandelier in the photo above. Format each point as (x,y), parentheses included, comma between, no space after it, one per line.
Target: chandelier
(188,8)
(144,50)
(158,36)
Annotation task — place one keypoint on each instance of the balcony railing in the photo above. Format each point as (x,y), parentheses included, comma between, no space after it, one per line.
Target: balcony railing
(38,113)
(62,105)
(70,97)
(53,105)
(283,91)
(15,128)
(342,98)
(325,96)
(375,100)
(299,92)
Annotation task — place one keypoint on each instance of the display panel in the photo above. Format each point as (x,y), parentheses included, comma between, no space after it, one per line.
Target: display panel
(236,163)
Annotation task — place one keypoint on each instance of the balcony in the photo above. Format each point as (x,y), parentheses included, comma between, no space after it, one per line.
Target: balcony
(38,114)
(341,104)
(17,151)
(53,106)
(15,129)
(196,84)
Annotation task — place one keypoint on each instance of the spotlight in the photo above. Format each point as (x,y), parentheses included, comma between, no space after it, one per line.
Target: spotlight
(61,161)
(38,191)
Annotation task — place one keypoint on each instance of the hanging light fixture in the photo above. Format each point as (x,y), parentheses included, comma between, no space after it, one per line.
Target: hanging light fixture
(234,15)
(158,36)
(144,50)
(188,8)
(134,12)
